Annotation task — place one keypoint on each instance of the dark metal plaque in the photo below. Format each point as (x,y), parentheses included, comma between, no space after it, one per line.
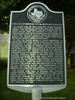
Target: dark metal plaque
(37,46)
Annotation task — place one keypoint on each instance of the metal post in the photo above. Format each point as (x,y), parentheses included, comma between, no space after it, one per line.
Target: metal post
(36,93)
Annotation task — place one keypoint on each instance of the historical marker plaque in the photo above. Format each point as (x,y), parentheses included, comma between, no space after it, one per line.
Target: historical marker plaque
(37,47)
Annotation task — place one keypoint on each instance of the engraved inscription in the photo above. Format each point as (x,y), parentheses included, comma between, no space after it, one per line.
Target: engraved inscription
(36,54)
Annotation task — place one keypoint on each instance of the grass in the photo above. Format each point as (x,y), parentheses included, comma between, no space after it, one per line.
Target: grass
(4,50)
(69,91)
(8,94)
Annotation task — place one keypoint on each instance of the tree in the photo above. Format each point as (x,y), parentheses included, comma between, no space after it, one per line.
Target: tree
(6,6)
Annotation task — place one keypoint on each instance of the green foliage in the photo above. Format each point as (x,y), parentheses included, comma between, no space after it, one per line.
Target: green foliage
(5,8)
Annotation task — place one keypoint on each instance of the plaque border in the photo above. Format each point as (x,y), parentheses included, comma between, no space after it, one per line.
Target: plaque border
(45,88)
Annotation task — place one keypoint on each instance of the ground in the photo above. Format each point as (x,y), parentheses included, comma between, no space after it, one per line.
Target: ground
(68,93)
